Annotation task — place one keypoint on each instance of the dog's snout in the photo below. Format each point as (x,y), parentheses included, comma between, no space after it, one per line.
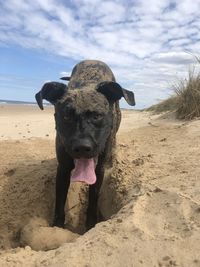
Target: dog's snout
(82,149)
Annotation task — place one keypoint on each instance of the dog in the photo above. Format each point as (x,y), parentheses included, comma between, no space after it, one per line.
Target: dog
(87,117)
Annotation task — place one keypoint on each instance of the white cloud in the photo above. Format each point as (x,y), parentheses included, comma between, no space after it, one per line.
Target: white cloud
(65,74)
(173,58)
(143,41)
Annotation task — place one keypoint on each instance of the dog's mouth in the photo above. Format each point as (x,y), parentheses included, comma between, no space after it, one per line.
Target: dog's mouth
(84,170)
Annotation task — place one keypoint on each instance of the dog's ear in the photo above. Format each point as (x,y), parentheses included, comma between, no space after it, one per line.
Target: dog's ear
(66,78)
(52,92)
(113,92)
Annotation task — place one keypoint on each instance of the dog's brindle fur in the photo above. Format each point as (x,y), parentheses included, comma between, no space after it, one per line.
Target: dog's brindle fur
(87,117)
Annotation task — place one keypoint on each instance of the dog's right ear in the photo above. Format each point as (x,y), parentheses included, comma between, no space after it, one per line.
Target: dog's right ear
(52,92)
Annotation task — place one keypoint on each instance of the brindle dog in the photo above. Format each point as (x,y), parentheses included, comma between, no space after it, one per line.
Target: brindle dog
(87,117)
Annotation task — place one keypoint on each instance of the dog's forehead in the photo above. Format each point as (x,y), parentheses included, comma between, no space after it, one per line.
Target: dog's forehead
(85,100)
(89,71)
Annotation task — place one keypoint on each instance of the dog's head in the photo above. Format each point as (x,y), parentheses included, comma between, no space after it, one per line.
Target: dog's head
(84,118)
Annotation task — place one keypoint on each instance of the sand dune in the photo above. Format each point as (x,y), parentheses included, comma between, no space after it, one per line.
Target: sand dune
(151,198)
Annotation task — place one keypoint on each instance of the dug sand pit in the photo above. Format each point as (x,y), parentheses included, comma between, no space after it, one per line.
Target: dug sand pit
(39,236)
(151,199)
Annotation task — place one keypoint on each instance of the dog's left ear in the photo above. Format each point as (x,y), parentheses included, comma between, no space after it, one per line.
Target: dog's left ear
(113,92)
(52,92)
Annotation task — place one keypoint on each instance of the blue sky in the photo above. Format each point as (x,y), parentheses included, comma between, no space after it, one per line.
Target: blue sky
(148,44)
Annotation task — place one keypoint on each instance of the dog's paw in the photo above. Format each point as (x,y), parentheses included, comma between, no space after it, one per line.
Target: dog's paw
(59,222)
(90,223)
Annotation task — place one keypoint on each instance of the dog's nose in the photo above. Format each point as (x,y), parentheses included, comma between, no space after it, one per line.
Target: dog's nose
(83,149)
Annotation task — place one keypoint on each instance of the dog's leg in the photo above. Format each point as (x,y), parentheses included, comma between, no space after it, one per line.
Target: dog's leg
(92,210)
(65,166)
(62,186)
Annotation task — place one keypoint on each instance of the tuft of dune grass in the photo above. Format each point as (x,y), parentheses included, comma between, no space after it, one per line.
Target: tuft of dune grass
(186,98)
(188,95)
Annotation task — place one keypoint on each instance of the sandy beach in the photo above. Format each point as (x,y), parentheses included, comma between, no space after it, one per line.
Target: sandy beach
(151,197)
(26,121)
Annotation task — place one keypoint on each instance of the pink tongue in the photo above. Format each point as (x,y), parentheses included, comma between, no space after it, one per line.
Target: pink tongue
(84,171)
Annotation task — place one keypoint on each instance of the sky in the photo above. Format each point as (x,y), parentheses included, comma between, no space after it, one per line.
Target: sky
(149,45)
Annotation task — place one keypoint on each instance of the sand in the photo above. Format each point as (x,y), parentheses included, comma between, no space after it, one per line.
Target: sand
(151,197)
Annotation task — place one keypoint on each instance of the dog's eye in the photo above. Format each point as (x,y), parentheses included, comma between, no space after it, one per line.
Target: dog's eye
(97,117)
(67,118)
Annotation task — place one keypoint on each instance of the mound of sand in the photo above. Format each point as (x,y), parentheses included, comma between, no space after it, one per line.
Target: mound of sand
(39,236)
(150,199)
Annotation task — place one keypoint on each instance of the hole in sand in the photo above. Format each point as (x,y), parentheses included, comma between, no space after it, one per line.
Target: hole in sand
(27,201)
